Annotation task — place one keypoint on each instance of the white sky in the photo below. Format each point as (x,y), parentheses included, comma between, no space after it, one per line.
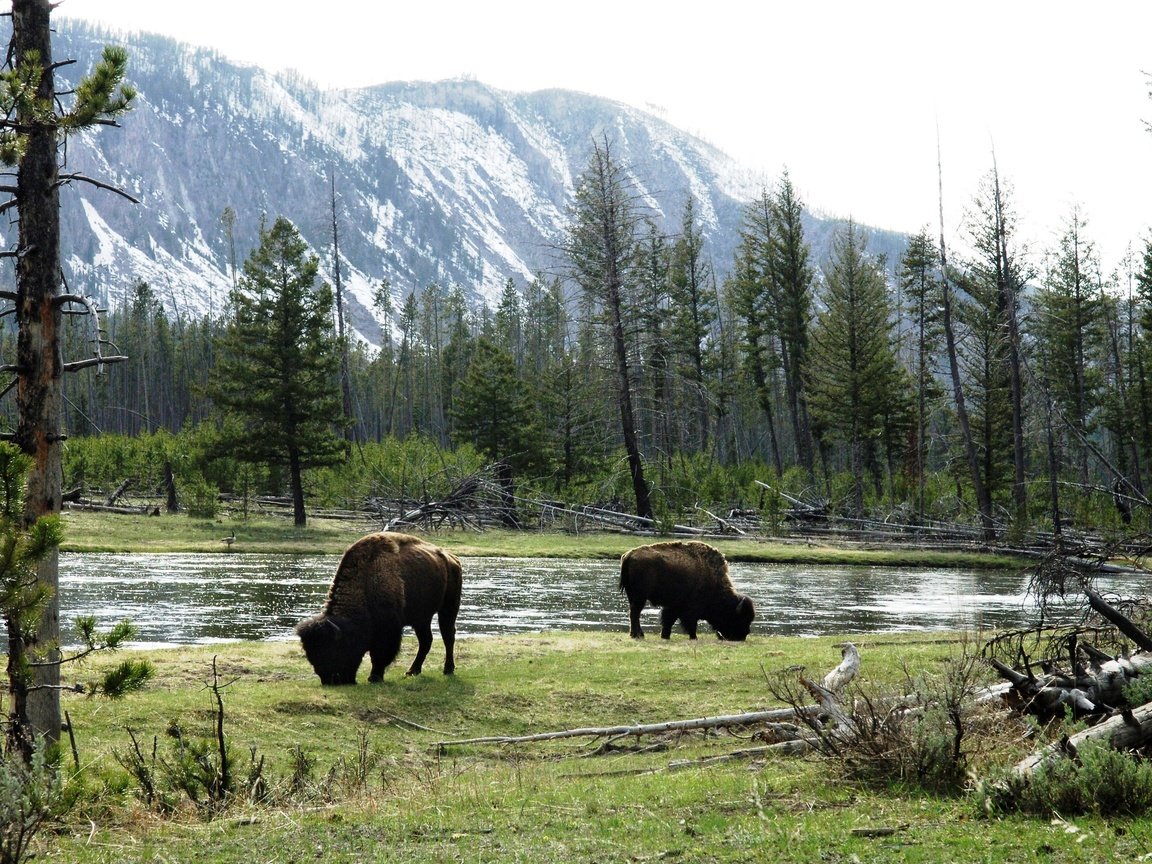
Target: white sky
(847,95)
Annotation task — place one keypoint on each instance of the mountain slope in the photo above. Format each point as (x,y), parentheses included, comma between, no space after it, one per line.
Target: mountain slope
(451,182)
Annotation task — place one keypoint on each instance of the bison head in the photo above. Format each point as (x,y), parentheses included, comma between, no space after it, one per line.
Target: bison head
(333,652)
(735,626)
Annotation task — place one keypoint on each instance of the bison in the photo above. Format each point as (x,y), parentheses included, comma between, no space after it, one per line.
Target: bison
(690,581)
(385,581)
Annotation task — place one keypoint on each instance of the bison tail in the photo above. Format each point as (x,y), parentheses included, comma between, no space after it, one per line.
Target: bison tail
(624,567)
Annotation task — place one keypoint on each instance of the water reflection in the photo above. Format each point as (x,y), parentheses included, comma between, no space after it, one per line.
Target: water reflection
(184,599)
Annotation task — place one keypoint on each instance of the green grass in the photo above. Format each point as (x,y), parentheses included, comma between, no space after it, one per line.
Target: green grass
(544,802)
(86,531)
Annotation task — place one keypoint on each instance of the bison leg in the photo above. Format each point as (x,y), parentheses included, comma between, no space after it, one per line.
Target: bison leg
(382,652)
(689,625)
(448,634)
(667,619)
(447,620)
(423,632)
(634,610)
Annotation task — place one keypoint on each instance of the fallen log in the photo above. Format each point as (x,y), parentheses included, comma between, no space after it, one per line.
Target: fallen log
(1121,621)
(119,491)
(1126,730)
(746,719)
(1096,686)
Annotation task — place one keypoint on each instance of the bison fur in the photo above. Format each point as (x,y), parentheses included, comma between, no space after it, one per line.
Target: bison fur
(689,580)
(385,582)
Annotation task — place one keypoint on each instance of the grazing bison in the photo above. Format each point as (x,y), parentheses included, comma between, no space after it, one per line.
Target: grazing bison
(384,582)
(690,581)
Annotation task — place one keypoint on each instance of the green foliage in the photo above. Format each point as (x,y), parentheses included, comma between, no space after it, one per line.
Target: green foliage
(22,596)
(1138,691)
(103,93)
(276,381)
(30,793)
(1099,780)
(128,676)
(494,410)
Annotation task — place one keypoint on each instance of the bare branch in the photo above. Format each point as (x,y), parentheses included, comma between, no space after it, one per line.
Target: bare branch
(68,178)
(92,361)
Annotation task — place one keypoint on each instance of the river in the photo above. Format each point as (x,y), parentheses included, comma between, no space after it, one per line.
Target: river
(197,599)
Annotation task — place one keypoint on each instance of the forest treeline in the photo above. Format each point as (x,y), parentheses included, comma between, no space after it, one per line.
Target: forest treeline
(979,389)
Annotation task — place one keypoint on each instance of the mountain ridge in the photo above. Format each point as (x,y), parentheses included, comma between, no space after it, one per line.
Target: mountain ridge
(452,182)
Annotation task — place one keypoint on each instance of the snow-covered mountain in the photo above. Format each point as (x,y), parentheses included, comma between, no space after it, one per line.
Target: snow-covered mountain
(451,182)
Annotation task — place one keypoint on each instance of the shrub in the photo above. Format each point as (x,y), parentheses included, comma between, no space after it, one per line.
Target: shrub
(30,793)
(924,737)
(1097,780)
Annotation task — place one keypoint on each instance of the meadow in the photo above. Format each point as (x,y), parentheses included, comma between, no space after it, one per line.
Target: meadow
(360,773)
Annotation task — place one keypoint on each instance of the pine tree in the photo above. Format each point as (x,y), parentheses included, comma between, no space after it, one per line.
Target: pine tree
(918,278)
(692,304)
(994,278)
(791,278)
(1070,335)
(277,377)
(751,289)
(855,378)
(601,246)
(495,412)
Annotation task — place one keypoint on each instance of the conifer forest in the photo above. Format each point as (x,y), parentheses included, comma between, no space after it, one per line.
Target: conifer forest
(986,388)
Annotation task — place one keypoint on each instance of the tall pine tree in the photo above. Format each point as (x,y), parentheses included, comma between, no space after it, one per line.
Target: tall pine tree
(277,376)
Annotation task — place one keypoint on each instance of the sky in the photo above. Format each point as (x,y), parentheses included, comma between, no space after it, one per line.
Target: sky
(854,99)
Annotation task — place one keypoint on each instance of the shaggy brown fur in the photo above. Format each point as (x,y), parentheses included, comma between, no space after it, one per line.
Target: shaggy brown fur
(689,580)
(385,581)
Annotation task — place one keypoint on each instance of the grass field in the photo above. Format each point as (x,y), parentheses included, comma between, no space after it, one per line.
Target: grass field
(86,531)
(378,787)
(359,773)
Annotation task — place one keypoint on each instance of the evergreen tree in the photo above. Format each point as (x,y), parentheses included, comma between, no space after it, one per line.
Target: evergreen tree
(751,288)
(34,128)
(495,412)
(918,279)
(601,246)
(692,304)
(994,278)
(855,378)
(791,278)
(1070,335)
(277,377)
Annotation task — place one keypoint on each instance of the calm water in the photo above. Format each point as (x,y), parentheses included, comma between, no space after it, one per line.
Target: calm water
(184,599)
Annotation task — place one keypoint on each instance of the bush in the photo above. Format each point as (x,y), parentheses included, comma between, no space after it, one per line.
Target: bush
(924,737)
(30,793)
(1097,780)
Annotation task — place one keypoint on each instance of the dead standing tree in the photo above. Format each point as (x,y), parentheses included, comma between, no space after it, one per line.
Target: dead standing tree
(33,128)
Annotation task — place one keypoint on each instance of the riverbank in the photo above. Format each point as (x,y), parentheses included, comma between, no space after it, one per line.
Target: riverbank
(357,773)
(87,531)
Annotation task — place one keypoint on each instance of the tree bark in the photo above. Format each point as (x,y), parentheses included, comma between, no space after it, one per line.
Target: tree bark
(38,388)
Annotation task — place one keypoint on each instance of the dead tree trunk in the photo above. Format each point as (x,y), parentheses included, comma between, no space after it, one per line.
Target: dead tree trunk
(1095,685)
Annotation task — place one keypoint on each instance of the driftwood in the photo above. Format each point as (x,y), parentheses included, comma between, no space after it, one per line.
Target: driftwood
(788,726)
(119,491)
(1095,686)
(142,510)
(1094,689)
(717,722)
(1127,730)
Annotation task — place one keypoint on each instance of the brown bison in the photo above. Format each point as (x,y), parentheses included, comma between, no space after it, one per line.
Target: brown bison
(385,581)
(689,580)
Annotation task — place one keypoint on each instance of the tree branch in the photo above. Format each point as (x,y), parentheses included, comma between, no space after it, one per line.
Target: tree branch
(68,178)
